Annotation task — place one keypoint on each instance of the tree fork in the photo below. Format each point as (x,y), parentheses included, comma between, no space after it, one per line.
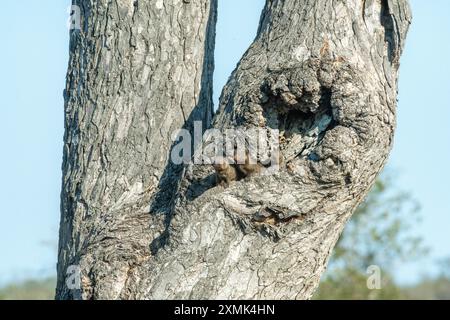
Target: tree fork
(322,73)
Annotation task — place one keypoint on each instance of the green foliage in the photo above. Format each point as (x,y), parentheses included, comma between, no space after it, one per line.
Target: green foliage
(30,290)
(380,234)
(351,284)
(429,289)
(437,288)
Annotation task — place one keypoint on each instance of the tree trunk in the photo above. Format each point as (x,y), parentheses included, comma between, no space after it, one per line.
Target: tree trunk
(138,71)
(323,73)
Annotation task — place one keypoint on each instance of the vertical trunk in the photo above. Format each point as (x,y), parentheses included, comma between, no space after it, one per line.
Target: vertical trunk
(138,71)
(323,73)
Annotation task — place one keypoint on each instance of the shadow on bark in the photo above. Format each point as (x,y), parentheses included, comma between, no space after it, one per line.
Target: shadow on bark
(163,201)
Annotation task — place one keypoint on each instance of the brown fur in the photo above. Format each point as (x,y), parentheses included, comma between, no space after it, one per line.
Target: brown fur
(225,173)
(247,169)
(228,172)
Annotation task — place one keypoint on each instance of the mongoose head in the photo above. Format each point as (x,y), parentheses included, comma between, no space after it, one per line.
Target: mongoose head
(219,167)
(220,164)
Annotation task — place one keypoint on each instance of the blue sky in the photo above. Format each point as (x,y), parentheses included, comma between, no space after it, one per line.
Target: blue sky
(33,61)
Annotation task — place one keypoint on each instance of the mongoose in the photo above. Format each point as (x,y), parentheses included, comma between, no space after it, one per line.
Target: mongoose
(247,169)
(225,172)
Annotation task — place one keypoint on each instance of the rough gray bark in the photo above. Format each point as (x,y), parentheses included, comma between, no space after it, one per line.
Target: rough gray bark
(138,71)
(322,72)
